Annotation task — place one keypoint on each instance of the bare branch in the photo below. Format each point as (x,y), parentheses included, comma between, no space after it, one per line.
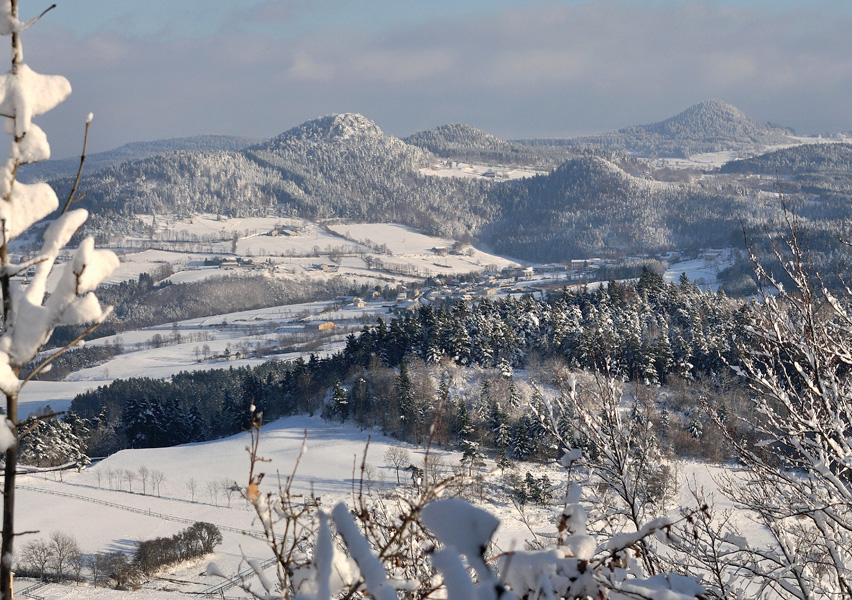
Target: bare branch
(79,170)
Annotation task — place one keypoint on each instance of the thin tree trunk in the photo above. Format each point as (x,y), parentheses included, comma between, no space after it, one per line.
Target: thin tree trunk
(6,548)
(11,456)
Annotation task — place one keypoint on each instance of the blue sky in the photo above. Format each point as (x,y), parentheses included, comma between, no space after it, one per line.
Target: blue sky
(153,69)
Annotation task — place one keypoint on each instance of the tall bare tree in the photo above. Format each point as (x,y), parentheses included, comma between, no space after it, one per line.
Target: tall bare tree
(144,474)
(65,552)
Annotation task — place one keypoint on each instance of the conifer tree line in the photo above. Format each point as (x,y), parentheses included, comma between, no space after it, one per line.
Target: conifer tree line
(393,375)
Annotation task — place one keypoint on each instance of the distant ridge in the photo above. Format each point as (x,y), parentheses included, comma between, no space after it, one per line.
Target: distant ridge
(132,152)
(596,202)
(710,126)
(591,206)
(834,159)
(458,137)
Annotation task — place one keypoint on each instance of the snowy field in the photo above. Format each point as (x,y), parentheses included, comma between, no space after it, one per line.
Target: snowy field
(104,519)
(211,336)
(703,270)
(714,160)
(296,249)
(475,171)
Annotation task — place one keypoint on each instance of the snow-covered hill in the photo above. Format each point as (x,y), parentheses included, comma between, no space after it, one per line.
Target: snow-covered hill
(709,126)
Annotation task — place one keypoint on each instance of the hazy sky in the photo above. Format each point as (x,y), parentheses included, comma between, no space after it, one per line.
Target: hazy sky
(153,69)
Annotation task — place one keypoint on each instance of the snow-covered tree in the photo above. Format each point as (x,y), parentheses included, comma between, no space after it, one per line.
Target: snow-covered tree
(29,314)
(339,401)
(797,477)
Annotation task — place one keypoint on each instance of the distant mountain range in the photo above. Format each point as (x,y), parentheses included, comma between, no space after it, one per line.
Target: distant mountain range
(600,197)
(335,166)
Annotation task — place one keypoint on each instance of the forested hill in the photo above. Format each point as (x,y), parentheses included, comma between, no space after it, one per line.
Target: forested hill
(817,178)
(807,159)
(345,166)
(134,151)
(336,166)
(655,331)
(710,126)
(591,206)
(462,142)
(594,203)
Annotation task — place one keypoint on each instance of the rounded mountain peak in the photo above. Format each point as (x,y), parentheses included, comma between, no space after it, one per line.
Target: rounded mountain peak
(711,118)
(456,136)
(334,127)
(715,110)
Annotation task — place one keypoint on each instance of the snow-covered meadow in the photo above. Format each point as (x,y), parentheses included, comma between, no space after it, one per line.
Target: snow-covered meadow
(476,171)
(104,519)
(89,505)
(290,248)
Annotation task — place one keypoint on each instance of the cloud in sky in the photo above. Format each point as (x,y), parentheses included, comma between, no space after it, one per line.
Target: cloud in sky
(516,70)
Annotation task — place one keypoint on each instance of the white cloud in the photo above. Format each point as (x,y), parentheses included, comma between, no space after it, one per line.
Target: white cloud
(404,65)
(306,68)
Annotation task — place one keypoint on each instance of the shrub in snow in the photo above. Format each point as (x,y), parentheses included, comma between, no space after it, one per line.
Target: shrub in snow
(196,540)
(425,545)
(29,313)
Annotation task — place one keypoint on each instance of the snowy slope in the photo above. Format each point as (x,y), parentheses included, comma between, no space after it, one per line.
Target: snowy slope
(104,519)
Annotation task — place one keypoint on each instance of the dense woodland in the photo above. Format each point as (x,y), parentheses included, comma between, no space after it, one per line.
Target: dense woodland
(341,166)
(591,206)
(491,361)
(460,142)
(132,152)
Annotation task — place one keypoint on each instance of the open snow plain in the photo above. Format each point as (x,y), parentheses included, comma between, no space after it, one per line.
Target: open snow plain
(290,248)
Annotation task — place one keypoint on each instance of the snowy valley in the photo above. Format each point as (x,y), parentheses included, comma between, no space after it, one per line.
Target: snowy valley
(336,363)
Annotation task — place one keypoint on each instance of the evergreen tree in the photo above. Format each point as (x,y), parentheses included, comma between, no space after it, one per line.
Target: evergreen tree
(498,422)
(339,401)
(523,438)
(195,425)
(433,352)
(695,428)
(514,395)
(463,425)
(360,405)
(505,369)
(409,413)
(472,456)
(236,414)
